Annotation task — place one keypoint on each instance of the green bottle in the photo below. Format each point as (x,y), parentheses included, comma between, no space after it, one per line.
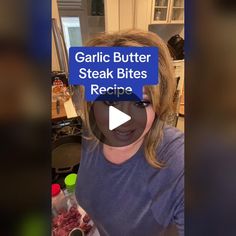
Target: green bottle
(70,183)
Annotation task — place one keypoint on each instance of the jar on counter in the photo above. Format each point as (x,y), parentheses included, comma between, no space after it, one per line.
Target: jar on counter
(158,15)
(58,199)
(70,183)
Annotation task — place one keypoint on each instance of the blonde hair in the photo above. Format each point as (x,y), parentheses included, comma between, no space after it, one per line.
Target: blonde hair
(161,95)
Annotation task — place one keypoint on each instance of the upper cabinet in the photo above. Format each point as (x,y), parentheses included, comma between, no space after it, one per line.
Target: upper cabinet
(177,11)
(167,12)
(158,12)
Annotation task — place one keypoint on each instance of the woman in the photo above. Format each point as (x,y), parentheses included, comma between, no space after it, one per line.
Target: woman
(137,189)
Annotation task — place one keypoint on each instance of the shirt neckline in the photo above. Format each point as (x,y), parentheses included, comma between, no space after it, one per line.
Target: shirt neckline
(123,164)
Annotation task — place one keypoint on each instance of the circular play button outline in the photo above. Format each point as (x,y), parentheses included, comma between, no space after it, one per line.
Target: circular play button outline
(117,118)
(117,122)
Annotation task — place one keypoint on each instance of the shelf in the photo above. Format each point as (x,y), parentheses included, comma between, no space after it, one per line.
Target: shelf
(177,22)
(178,7)
(159,23)
(167,23)
(156,7)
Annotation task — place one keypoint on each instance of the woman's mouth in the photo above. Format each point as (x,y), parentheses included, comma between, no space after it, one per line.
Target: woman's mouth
(123,135)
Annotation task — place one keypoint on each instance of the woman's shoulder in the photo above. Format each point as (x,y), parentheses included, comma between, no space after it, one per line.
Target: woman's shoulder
(171,146)
(170,153)
(171,134)
(166,185)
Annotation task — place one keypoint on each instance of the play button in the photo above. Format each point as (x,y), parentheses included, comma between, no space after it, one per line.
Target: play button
(117,123)
(117,118)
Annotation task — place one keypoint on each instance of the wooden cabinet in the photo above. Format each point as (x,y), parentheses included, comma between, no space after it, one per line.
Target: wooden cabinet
(158,12)
(181,105)
(179,72)
(179,75)
(176,14)
(167,12)
(54,58)
(119,15)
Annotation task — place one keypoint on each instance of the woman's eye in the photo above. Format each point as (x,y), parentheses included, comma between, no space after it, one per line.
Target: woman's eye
(143,103)
(110,103)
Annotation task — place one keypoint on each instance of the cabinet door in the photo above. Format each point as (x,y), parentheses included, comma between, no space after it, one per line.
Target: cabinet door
(160,11)
(177,11)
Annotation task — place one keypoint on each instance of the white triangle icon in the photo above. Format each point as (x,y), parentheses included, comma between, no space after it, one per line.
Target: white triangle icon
(117,118)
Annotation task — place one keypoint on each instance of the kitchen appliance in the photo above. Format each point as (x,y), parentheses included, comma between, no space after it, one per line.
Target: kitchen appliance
(176,47)
(66,148)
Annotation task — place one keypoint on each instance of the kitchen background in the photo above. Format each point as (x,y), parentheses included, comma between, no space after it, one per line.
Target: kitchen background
(73,23)
(76,21)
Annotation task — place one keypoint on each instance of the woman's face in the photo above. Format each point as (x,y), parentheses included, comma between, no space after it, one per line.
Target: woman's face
(142,117)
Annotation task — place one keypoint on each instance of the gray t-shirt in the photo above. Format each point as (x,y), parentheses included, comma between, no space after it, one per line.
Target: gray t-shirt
(133,198)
